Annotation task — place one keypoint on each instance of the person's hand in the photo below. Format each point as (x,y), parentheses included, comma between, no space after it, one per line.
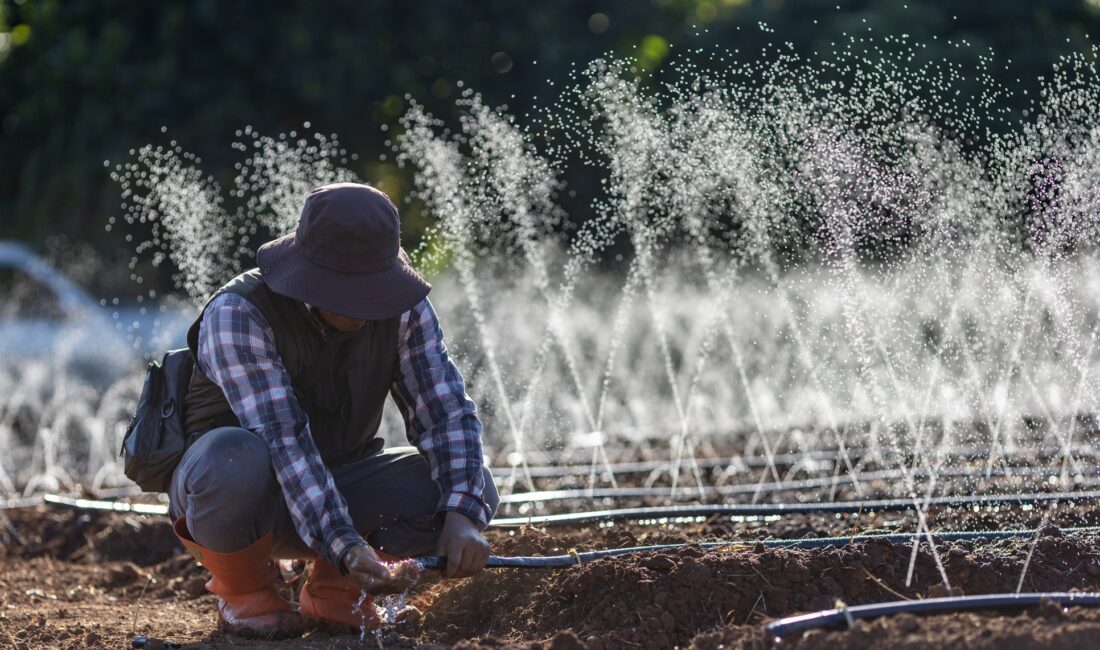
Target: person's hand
(463,545)
(364,565)
(376,576)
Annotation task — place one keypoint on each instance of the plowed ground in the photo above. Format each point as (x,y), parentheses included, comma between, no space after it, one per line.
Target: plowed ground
(73,580)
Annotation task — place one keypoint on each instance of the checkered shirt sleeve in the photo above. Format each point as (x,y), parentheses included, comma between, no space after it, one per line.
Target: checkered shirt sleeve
(440,419)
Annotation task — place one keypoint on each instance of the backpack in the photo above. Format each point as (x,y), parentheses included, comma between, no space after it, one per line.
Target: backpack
(155,439)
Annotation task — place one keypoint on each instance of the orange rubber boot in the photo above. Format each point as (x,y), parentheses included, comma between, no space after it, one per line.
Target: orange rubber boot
(250,606)
(330,596)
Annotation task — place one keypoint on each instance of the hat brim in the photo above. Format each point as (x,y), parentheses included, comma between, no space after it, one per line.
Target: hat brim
(364,296)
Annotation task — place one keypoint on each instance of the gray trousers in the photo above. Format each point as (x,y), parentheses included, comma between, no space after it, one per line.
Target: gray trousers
(226,488)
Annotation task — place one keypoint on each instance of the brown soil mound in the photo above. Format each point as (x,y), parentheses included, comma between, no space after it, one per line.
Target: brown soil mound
(657,600)
(86,536)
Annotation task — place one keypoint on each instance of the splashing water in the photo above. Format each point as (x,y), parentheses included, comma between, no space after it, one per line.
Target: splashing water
(844,259)
(364,617)
(388,607)
(928,248)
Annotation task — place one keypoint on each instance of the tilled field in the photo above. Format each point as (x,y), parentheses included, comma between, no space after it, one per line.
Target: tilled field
(76,580)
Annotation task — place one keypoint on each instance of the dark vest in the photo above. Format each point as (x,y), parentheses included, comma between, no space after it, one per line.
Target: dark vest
(341,379)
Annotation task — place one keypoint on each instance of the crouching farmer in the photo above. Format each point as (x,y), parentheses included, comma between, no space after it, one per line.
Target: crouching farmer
(294,361)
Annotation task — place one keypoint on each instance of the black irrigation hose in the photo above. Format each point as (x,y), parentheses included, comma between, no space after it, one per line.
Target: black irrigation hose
(572,559)
(643,466)
(842,617)
(757,462)
(778,509)
(21,502)
(684,491)
(672,512)
(692,491)
(106,506)
(39,499)
(638,466)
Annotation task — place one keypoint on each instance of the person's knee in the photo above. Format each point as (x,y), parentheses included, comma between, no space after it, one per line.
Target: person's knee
(230,489)
(235,470)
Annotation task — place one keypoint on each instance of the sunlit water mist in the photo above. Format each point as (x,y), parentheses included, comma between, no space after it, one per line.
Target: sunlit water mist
(843,255)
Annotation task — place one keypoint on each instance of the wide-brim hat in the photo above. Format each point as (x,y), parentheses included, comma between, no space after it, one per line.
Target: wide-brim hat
(345,256)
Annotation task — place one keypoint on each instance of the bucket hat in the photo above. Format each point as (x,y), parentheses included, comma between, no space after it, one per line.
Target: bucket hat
(345,256)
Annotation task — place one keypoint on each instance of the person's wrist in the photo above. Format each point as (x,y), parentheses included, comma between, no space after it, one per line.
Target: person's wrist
(459,518)
(353,552)
(466,505)
(340,540)
(349,555)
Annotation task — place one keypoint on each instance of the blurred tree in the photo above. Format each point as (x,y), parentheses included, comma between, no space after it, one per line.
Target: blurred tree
(82,83)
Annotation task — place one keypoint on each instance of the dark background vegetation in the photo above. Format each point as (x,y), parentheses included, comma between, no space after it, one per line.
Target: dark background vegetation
(84,82)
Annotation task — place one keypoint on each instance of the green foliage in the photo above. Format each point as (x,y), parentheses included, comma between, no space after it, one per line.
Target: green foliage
(82,83)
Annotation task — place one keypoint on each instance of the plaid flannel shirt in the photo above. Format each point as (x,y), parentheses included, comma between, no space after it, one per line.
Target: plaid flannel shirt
(237,351)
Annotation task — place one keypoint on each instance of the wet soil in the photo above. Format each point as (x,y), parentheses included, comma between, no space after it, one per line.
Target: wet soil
(78,580)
